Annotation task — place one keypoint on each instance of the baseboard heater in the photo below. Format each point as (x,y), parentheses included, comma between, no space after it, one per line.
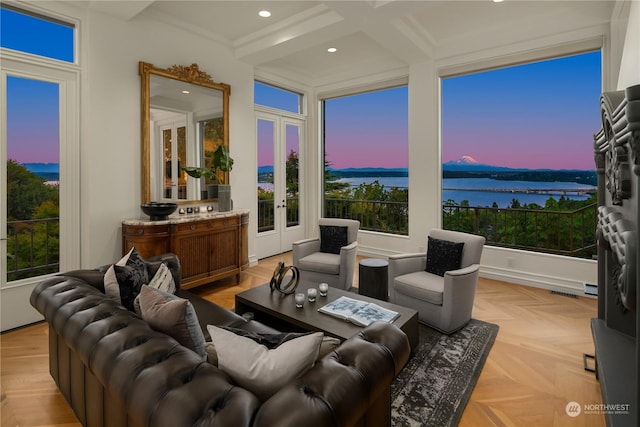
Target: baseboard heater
(591,289)
(564,294)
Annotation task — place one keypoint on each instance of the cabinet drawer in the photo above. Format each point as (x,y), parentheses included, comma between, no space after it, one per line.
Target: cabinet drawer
(224,222)
(191,226)
(144,230)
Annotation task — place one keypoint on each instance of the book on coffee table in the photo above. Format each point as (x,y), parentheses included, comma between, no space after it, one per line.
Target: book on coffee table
(359,312)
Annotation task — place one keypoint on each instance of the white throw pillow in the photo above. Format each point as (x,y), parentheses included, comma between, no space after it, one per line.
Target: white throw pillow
(259,370)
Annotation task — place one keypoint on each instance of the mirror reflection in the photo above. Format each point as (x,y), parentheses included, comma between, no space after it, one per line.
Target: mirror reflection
(186,121)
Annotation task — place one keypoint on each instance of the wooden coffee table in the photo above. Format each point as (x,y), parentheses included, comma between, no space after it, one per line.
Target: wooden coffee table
(279,311)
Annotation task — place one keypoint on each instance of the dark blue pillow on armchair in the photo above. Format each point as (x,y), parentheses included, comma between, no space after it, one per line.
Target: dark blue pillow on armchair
(443,256)
(332,238)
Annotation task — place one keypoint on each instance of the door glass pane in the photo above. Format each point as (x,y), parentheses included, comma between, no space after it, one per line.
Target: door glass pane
(166,164)
(33,178)
(266,131)
(182,157)
(292,135)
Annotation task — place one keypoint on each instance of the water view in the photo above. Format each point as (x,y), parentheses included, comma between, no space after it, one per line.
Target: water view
(486,191)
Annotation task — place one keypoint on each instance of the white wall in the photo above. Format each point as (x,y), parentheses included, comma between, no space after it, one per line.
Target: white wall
(111,120)
(630,63)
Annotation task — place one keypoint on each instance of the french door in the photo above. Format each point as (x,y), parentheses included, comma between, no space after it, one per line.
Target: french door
(279,142)
(39,170)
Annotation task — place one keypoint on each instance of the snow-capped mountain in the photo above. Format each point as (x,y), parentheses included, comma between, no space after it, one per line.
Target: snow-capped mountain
(468,163)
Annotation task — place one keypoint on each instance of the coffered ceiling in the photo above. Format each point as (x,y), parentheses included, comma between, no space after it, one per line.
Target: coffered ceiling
(370,36)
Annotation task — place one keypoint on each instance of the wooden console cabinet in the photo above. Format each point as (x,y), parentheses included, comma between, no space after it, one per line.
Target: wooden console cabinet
(210,246)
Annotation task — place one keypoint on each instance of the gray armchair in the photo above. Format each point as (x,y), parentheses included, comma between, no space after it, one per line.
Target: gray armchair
(331,257)
(443,303)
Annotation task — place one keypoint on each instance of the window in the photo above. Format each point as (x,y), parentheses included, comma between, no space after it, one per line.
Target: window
(275,97)
(36,34)
(39,151)
(517,154)
(366,159)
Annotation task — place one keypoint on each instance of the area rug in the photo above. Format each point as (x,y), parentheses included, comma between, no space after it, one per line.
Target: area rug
(434,387)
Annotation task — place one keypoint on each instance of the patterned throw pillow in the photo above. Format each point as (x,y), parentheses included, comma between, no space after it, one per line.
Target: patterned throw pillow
(333,238)
(124,279)
(173,316)
(443,256)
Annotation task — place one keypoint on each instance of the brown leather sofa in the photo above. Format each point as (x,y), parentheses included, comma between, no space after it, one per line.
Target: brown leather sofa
(114,370)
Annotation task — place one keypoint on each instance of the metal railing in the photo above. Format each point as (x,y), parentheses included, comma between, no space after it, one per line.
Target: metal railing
(386,217)
(570,233)
(266,213)
(32,248)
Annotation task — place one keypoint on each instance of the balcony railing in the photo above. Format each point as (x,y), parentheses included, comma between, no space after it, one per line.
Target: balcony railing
(32,248)
(386,217)
(570,233)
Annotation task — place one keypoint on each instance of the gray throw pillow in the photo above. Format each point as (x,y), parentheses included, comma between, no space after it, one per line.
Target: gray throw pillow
(173,316)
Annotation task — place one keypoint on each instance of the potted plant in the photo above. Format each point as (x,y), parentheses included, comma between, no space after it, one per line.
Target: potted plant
(222,161)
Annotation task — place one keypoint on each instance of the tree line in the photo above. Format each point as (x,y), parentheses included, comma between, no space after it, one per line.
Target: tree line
(31,243)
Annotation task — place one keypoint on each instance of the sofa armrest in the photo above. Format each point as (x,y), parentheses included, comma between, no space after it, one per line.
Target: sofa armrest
(341,388)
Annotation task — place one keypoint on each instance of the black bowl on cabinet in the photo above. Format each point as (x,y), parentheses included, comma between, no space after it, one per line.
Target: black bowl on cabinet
(159,211)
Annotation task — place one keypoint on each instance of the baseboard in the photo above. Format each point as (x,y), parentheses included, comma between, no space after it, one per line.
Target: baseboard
(534,280)
(525,278)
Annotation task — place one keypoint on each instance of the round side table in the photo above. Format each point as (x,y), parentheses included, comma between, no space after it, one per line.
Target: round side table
(372,280)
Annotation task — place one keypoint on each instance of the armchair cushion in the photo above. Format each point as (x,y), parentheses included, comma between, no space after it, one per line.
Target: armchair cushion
(321,262)
(443,256)
(333,238)
(422,286)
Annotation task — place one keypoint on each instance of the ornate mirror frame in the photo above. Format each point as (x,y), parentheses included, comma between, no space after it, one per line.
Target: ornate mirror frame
(188,74)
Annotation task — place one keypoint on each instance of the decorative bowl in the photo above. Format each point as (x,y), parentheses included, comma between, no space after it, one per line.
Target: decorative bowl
(159,211)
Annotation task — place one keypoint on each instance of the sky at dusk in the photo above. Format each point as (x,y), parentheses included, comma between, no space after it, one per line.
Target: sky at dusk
(539,115)
(367,130)
(33,134)
(535,116)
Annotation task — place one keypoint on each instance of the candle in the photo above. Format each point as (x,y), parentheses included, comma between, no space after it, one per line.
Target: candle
(324,289)
(299,297)
(312,293)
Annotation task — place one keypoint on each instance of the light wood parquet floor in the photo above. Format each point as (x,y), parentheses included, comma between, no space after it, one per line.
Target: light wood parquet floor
(533,370)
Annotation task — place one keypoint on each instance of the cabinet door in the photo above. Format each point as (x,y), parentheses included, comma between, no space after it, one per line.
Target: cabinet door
(191,242)
(224,250)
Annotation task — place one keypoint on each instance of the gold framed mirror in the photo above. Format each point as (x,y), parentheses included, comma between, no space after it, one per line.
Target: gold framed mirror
(184,119)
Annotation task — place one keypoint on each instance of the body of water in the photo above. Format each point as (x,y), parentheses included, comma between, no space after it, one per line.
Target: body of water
(478,190)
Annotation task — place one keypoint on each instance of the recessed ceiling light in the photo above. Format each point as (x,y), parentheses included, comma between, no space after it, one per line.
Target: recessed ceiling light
(498,1)
(264,13)
(185,91)
(332,50)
